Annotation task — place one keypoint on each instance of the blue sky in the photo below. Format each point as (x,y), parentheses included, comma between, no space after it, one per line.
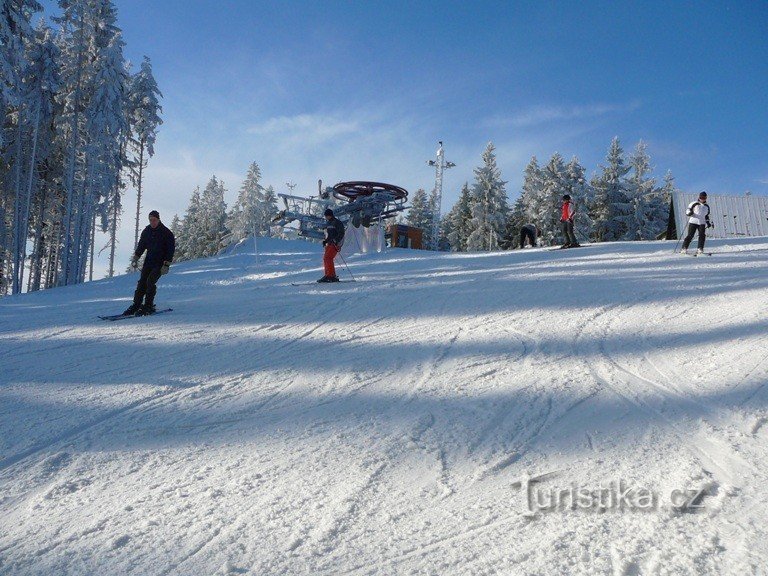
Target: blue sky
(364,90)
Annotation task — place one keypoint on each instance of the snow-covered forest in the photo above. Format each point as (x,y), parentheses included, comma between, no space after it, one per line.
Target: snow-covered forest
(78,125)
(622,201)
(208,226)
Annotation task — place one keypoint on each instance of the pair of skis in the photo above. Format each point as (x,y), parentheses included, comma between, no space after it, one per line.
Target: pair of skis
(116,317)
(320,284)
(566,247)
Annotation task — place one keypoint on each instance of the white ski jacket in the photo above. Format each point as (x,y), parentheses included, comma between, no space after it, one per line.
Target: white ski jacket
(698,212)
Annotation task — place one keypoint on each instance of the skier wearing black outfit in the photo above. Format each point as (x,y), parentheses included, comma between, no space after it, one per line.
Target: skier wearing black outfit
(160,244)
(529,232)
(698,221)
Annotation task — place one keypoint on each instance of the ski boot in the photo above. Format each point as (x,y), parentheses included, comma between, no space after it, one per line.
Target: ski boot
(699,252)
(333,279)
(132,309)
(324,279)
(684,251)
(146,310)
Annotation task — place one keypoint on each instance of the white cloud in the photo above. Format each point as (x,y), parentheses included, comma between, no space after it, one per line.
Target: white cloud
(309,128)
(545,114)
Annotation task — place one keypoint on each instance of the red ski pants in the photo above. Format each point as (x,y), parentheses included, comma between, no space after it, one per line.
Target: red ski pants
(330,253)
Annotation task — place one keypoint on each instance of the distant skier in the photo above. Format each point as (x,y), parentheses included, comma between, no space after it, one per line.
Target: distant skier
(698,221)
(529,232)
(334,238)
(160,244)
(567,212)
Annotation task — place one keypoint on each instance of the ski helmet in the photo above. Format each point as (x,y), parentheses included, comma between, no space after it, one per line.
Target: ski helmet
(702,195)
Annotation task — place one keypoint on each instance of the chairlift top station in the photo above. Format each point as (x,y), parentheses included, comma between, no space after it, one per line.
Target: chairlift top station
(362,204)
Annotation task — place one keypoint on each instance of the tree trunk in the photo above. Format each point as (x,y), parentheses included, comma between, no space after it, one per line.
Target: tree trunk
(24,221)
(16,224)
(138,194)
(93,241)
(69,183)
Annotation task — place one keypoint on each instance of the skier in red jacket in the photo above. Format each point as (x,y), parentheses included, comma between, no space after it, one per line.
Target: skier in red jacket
(568,211)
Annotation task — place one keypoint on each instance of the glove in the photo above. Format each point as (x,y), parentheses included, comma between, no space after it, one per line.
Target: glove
(710,225)
(570,220)
(164,268)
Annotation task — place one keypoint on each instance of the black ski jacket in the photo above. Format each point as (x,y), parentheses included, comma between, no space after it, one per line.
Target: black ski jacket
(334,232)
(159,243)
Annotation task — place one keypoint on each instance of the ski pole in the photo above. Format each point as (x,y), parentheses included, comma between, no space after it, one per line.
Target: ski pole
(347,267)
(583,235)
(680,237)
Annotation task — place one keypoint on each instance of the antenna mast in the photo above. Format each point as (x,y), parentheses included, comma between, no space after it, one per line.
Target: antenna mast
(440,165)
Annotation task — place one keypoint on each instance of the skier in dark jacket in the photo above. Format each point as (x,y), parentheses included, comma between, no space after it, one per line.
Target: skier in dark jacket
(160,244)
(334,238)
(698,221)
(530,232)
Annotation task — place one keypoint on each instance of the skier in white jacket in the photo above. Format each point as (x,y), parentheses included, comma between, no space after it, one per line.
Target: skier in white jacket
(698,221)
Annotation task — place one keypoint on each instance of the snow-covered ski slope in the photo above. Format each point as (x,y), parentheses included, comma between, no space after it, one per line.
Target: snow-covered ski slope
(388,426)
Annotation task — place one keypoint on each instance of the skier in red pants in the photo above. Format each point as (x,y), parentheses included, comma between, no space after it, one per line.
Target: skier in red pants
(334,238)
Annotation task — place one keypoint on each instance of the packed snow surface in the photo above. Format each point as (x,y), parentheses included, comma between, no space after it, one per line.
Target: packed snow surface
(422,420)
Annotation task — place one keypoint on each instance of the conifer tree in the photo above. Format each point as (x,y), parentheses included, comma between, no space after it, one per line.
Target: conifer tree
(420,215)
(461,220)
(490,206)
(612,207)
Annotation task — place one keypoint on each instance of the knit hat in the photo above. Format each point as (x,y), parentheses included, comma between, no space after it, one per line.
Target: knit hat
(328,212)
(702,195)
(154,213)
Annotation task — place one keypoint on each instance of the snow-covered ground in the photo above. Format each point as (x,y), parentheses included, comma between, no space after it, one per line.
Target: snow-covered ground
(389,426)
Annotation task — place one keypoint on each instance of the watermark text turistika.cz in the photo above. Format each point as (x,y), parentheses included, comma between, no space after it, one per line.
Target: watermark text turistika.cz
(615,495)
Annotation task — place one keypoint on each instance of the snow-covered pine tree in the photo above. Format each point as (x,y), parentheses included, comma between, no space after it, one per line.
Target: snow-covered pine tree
(106,126)
(78,22)
(641,191)
(538,208)
(490,206)
(38,91)
(461,220)
(612,209)
(515,221)
(91,124)
(555,186)
(143,103)
(244,218)
(582,195)
(446,229)
(189,239)
(18,122)
(267,211)
(213,217)
(420,216)
(176,228)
